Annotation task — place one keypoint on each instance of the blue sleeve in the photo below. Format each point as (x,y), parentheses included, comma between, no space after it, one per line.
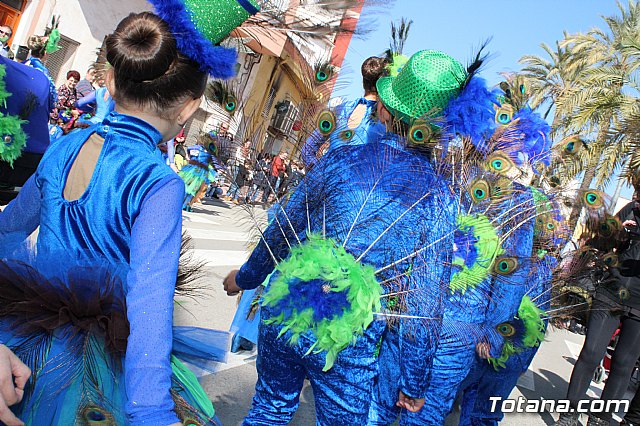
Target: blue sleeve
(275,237)
(155,250)
(20,217)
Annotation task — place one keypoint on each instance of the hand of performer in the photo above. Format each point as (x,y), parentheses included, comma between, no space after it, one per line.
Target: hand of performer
(411,404)
(629,223)
(13,377)
(484,350)
(230,285)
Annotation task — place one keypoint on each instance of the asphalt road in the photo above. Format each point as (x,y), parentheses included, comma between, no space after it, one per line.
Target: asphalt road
(220,231)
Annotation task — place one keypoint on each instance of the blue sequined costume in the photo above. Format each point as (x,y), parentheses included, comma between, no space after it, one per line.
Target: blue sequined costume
(95,255)
(485,381)
(387,205)
(470,317)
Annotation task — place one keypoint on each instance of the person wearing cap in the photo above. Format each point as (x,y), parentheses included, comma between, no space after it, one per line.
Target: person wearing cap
(481,299)
(384,203)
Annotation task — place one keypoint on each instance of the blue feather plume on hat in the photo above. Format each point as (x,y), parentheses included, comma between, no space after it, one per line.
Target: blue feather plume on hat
(217,61)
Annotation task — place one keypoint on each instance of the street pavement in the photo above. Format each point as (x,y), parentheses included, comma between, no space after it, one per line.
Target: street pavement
(221,231)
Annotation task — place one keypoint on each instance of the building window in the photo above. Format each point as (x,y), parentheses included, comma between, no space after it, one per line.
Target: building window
(15,4)
(269,103)
(59,62)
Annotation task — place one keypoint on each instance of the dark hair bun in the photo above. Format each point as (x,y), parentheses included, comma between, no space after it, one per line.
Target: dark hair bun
(148,68)
(142,47)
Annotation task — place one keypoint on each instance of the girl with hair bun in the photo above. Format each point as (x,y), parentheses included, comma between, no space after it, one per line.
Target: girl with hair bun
(91,313)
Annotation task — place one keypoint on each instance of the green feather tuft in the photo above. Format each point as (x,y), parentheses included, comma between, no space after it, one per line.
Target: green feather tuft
(319,258)
(488,247)
(399,61)
(534,327)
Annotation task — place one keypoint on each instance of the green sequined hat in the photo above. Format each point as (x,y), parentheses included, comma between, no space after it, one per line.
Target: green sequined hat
(426,83)
(199,25)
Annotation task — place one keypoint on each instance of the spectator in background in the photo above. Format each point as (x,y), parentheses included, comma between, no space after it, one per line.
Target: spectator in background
(85,86)
(5,34)
(67,93)
(277,167)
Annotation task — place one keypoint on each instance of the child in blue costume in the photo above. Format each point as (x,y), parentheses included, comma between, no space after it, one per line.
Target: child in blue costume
(488,380)
(370,220)
(498,377)
(472,313)
(198,173)
(354,122)
(100,342)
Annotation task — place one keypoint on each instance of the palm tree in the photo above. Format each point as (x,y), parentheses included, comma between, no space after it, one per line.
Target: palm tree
(605,70)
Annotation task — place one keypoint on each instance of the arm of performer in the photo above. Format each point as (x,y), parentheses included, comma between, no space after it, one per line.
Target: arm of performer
(273,242)
(20,217)
(155,250)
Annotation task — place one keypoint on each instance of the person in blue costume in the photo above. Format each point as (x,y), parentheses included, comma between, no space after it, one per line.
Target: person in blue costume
(471,315)
(107,207)
(356,121)
(200,171)
(487,380)
(38,46)
(367,223)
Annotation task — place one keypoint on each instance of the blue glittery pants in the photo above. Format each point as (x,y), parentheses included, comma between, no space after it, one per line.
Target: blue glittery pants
(484,382)
(451,365)
(342,394)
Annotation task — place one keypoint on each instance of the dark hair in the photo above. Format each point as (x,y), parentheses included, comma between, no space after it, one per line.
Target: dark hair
(37,45)
(180,150)
(149,71)
(73,73)
(372,69)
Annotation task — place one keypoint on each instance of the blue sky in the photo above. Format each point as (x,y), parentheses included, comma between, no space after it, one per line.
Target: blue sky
(457,27)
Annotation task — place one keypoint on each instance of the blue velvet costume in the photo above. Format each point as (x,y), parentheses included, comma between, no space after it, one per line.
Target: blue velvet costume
(22,82)
(130,212)
(369,129)
(485,381)
(359,194)
(53,92)
(469,318)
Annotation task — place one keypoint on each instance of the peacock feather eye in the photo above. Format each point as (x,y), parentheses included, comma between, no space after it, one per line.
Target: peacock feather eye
(230,103)
(323,73)
(420,133)
(346,135)
(593,199)
(326,122)
(571,145)
(93,415)
(500,163)
(506,330)
(623,294)
(479,191)
(8,140)
(610,259)
(523,89)
(504,114)
(191,422)
(506,265)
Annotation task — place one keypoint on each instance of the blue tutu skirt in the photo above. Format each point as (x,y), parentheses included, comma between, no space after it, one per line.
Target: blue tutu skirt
(72,333)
